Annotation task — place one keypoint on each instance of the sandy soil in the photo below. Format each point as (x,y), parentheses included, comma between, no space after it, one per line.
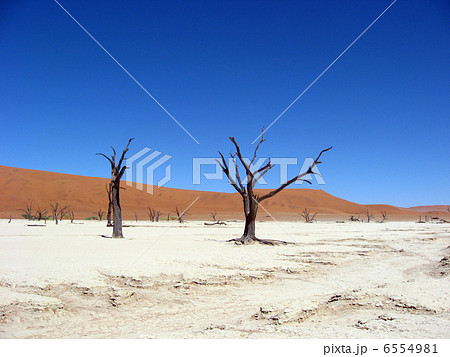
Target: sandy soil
(342,280)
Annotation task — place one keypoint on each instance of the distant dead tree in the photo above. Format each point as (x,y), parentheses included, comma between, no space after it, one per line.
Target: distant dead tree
(353,219)
(110,205)
(117,171)
(63,212)
(250,199)
(153,214)
(99,213)
(215,221)
(368,216)
(58,212)
(27,211)
(306,214)
(420,220)
(41,214)
(384,215)
(180,215)
(71,215)
(10,217)
(135,216)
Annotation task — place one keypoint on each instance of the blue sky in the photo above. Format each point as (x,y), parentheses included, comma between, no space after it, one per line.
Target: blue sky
(227,69)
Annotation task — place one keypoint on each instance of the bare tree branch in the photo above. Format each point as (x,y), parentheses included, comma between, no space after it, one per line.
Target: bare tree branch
(296,178)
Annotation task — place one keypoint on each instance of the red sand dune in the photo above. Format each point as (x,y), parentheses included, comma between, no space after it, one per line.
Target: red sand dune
(438,209)
(85,195)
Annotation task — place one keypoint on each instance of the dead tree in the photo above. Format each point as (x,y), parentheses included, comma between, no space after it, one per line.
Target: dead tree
(151,214)
(250,199)
(215,221)
(10,217)
(180,215)
(40,214)
(353,219)
(27,212)
(63,212)
(117,171)
(135,216)
(306,214)
(110,205)
(71,215)
(100,214)
(368,216)
(58,212)
(384,215)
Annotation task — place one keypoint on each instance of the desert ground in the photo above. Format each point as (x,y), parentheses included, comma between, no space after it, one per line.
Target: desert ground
(172,280)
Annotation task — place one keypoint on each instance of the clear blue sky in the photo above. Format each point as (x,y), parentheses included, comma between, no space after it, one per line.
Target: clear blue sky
(227,68)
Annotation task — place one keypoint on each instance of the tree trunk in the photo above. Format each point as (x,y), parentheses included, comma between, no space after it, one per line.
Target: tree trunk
(117,212)
(249,236)
(250,211)
(110,206)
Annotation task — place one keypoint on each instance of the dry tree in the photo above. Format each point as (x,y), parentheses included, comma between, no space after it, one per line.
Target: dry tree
(215,220)
(353,219)
(308,217)
(180,215)
(117,171)
(63,212)
(250,199)
(27,211)
(384,215)
(153,214)
(71,215)
(41,214)
(58,212)
(99,213)
(368,216)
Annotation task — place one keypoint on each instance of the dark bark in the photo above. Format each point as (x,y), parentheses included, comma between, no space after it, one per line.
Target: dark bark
(58,212)
(309,218)
(110,205)
(117,171)
(180,215)
(71,216)
(251,200)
